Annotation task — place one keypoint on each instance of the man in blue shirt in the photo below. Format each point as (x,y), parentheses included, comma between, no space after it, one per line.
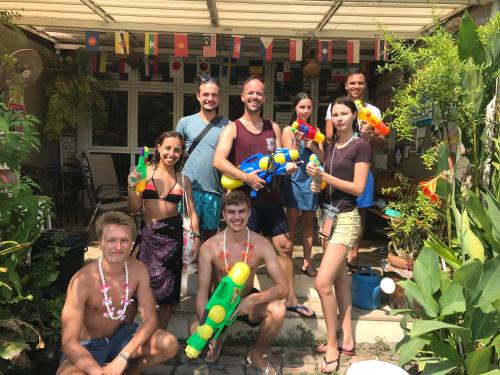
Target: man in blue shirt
(205,179)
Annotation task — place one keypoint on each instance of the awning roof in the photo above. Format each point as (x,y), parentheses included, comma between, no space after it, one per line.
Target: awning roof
(64,21)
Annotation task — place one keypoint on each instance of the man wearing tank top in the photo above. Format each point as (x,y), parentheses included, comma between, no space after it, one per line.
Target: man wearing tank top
(245,137)
(355,86)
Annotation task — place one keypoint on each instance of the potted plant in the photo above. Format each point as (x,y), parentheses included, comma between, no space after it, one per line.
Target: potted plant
(414,218)
(73,86)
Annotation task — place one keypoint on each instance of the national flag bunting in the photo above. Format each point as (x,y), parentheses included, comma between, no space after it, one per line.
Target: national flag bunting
(255,67)
(176,67)
(266,48)
(229,67)
(209,45)
(236,46)
(353,51)
(381,50)
(123,67)
(92,41)
(339,72)
(151,44)
(202,67)
(325,50)
(122,46)
(103,62)
(295,49)
(181,46)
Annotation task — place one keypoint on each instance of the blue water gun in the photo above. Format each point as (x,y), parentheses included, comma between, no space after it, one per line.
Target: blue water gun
(270,165)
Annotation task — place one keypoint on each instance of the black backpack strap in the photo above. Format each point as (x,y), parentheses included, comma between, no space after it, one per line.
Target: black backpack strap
(200,136)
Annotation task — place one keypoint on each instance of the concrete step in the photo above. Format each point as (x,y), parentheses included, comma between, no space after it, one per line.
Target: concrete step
(367,324)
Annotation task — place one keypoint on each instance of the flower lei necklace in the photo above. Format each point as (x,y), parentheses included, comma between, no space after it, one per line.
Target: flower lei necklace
(107,301)
(245,255)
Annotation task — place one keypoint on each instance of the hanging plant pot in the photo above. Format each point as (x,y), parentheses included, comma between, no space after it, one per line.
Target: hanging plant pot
(396,260)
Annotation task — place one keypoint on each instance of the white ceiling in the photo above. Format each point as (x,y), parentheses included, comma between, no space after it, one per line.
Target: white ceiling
(64,22)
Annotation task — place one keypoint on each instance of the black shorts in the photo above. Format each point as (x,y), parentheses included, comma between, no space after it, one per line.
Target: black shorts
(271,220)
(244,318)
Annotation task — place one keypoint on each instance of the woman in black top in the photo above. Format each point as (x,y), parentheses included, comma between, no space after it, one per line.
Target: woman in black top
(346,165)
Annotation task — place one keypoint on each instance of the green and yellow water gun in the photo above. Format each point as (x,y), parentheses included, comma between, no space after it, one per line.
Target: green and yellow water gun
(219,309)
(142,169)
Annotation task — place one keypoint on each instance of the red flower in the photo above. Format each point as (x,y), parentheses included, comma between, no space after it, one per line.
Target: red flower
(429,188)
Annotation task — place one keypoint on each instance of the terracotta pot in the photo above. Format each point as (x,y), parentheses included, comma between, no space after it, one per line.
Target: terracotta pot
(397,261)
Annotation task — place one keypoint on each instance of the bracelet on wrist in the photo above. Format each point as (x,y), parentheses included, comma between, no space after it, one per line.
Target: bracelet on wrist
(131,187)
(196,234)
(124,356)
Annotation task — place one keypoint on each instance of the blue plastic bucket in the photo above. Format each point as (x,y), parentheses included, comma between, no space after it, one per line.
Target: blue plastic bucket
(366,289)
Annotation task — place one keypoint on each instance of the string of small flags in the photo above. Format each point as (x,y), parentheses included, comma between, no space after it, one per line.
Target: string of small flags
(209,50)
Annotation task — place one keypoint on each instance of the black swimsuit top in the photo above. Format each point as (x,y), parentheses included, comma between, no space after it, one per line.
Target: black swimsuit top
(151,192)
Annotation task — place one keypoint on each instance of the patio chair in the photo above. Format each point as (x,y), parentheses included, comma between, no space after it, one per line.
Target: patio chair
(101,185)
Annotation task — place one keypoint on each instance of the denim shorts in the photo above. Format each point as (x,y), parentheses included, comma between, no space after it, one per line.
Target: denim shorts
(105,349)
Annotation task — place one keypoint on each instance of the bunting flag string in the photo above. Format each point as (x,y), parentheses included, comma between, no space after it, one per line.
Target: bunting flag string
(151,44)
(236,46)
(353,51)
(122,46)
(381,50)
(325,50)
(209,45)
(295,50)
(266,48)
(181,45)
(92,41)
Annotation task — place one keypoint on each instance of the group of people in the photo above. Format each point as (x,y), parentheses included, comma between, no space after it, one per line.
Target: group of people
(98,333)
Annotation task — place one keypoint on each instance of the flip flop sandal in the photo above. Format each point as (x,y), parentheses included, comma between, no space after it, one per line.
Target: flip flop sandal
(263,370)
(306,272)
(297,309)
(329,363)
(216,354)
(321,348)
(348,352)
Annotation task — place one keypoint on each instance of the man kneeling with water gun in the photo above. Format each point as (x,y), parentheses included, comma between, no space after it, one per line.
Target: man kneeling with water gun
(256,308)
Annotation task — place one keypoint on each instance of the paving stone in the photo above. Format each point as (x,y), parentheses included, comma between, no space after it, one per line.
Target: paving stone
(159,370)
(227,370)
(192,370)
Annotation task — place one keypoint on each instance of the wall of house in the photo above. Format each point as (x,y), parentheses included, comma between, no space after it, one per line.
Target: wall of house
(35,98)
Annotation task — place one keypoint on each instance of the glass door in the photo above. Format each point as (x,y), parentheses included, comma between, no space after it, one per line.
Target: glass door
(155,114)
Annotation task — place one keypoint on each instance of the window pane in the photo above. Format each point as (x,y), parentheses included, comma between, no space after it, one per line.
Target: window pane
(155,116)
(191,105)
(330,85)
(290,83)
(191,72)
(113,68)
(236,107)
(114,131)
(160,74)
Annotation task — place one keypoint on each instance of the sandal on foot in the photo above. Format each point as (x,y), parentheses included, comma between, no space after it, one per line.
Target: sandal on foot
(216,352)
(302,311)
(321,348)
(309,273)
(327,365)
(349,352)
(268,370)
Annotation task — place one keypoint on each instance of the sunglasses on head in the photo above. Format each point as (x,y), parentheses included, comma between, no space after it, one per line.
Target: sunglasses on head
(205,79)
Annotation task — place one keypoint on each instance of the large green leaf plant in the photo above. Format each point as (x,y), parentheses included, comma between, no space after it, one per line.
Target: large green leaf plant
(451,322)
(24,276)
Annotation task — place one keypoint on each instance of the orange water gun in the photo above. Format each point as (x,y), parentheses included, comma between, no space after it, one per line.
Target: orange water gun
(364,114)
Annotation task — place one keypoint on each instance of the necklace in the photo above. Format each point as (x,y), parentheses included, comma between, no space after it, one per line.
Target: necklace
(245,254)
(108,302)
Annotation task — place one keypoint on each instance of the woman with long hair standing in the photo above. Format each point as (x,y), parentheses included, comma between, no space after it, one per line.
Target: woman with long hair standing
(346,164)
(297,193)
(161,235)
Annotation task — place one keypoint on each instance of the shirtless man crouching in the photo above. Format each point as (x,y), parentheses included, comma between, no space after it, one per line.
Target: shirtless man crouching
(96,337)
(219,253)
